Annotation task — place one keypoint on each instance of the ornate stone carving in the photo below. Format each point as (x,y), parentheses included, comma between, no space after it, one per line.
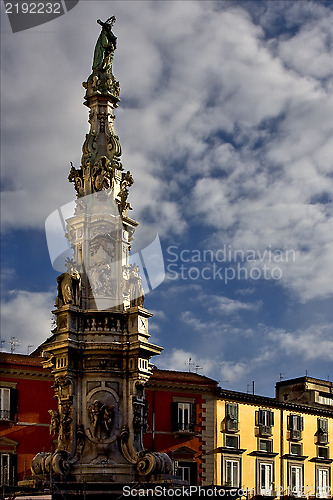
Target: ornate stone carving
(55,422)
(136,292)
(63,388)
(100,270)
(101,419)
(126,182)
(102,174)
(65,425)
(44,463)
(89,150)
(76,176)
(69,286)
(140,417)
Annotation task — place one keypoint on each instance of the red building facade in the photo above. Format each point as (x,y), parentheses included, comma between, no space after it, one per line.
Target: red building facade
(180,415)
(180,421)
(26,395)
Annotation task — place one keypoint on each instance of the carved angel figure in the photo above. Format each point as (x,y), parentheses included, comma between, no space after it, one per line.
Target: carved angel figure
(101,418)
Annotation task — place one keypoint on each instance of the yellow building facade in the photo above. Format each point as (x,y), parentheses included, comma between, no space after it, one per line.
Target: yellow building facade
(272,447)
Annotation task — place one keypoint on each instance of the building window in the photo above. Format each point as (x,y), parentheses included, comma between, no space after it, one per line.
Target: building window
(4,403)
(322,432)
(323,452)
(296,449)
(8,403)
(231,441)
(183,417)
(143,365)
(186,471)
(295,426)
(323,483)
(231,413)
(266,479)
(296,480)
(265,421)
(265,445)
(7,468)
(183,472)
(231,476)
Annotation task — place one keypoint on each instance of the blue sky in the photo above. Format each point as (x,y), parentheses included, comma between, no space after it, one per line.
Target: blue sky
(226,124)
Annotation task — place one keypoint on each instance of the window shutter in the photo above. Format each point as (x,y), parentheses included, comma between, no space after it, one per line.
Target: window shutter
(261,417)
(271,418)
(289,423)
(257,417)
(301,424)
(174,416)
(323,425)
(193,416)
(13,404)
(232,411)
(12,468)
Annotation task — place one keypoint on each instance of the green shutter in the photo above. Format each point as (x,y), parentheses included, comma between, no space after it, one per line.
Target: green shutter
(271,418)
(261,420)
(301,424)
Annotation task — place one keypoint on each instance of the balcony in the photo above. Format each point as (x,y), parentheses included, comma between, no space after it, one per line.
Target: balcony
(231,425)
(295,434)
(265,430)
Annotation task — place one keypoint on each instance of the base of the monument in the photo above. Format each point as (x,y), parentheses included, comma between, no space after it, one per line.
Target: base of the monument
(157,487)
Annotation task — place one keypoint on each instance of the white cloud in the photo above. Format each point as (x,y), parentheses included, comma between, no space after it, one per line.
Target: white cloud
(26,316)
(313,343)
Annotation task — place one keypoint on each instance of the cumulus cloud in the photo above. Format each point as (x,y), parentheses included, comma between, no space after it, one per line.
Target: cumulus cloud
(26,317)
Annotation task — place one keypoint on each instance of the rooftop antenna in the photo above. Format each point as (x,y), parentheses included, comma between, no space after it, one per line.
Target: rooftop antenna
(2,342)
(29,347)
(306,373)
(13,344)
(197,368)
(190,363)
(282,375)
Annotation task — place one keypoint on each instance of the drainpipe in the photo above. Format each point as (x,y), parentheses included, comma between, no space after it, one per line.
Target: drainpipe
(281,453)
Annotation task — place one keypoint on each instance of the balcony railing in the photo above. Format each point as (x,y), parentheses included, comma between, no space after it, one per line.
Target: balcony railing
(4,415)
(265,430)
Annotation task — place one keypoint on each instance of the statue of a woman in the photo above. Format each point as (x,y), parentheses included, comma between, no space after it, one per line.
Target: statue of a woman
(105,47)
